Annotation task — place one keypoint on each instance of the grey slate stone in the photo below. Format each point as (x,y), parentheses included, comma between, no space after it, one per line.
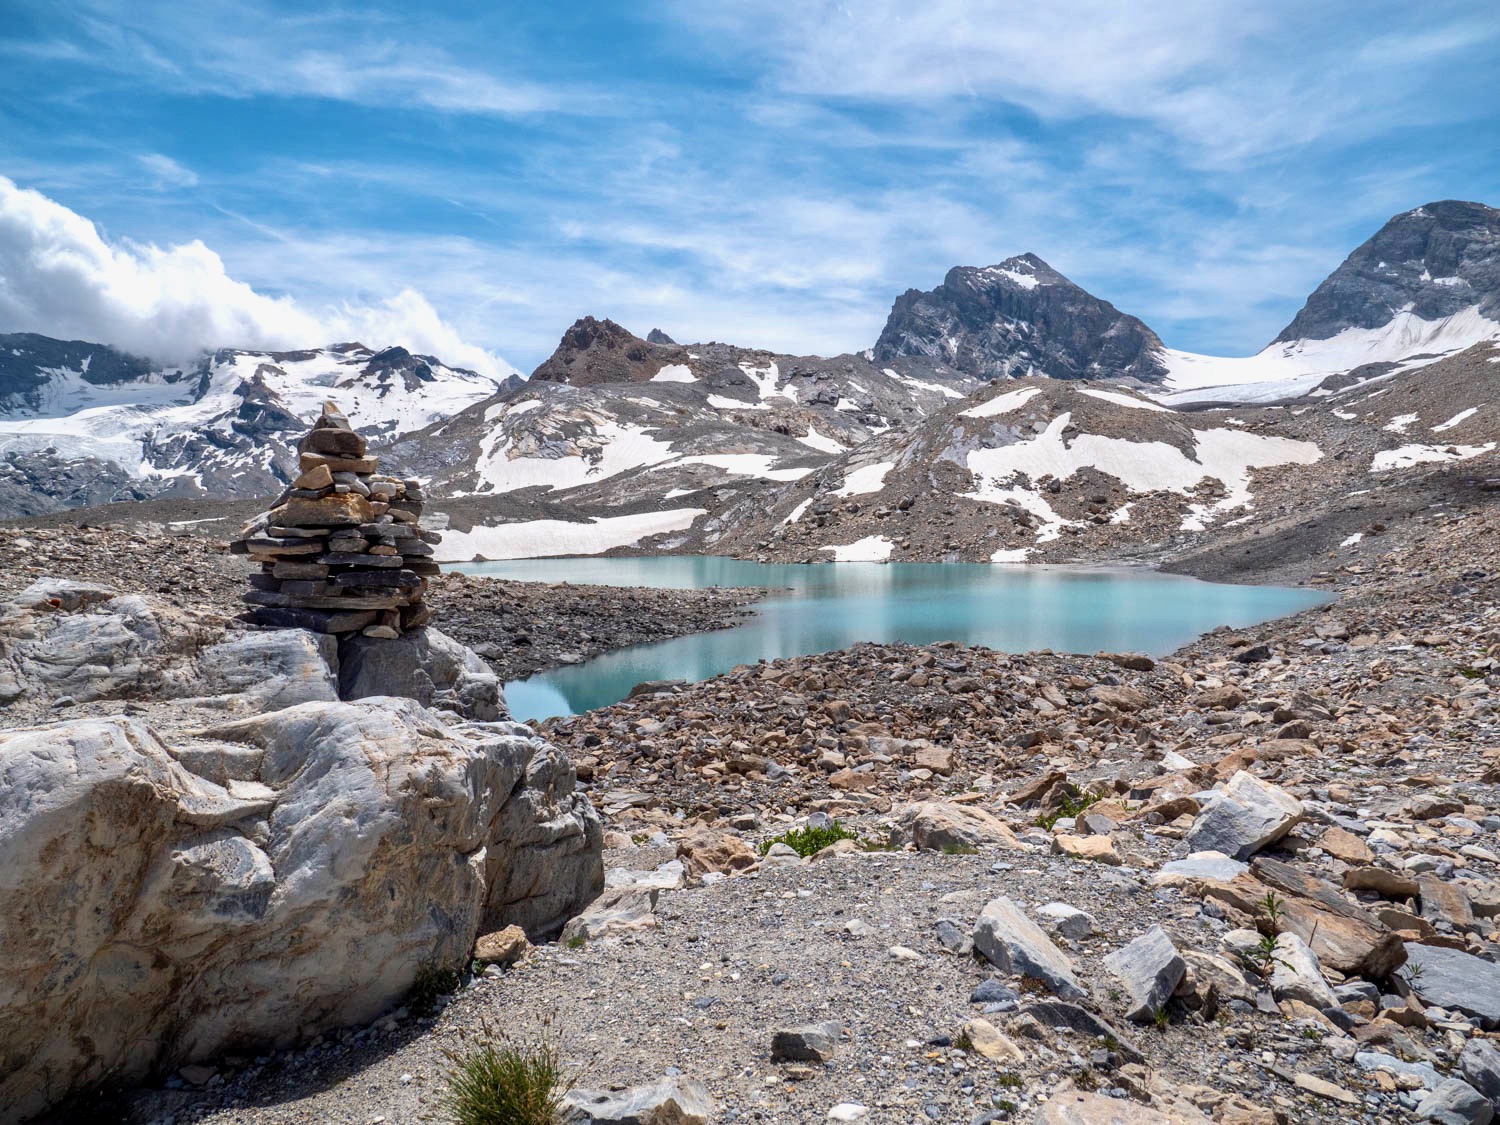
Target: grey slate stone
(1296,974)
(813,1042)
(1013,943)
(1150,968)
(1202,865)
(1480,1064)
(1451,978)
(1249,815)
(1455,1102)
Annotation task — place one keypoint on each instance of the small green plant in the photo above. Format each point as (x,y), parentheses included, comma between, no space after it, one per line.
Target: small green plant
(807,841)
(1262,958)
(1110,1043)
(964,1042)
(1414,971)
(878,845)
(577,941)
(1160,1018)
(960,849)
(430,985)
(639,838)
(1005,1105)
(1312,1033)
(495,1082)
(1073,803)
(1271,907)
(1009,1079)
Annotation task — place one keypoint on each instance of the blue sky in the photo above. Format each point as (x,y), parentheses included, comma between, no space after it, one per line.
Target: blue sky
(766,173)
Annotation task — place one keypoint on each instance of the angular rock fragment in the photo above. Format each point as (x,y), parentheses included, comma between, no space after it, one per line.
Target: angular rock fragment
(1249,815)
(1150,969)
(1013,943)
(814,1042)
(672,1101)
(935,826)
(1451,978)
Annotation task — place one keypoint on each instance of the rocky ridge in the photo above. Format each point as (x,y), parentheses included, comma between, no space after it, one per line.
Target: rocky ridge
(1435,261)
(1020,318)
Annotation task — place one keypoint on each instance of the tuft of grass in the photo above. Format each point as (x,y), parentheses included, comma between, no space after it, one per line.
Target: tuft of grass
(1009,1079)
(577,941)
(1160,1018)
(431,984)
(960,849)
(807,841)
(499,1083)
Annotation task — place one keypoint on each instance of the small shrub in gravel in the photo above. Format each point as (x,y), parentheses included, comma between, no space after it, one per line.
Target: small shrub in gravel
(807,841)
(432,983)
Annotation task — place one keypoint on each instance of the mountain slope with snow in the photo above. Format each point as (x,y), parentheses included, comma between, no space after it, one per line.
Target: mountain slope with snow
(226,426)
(1424,286)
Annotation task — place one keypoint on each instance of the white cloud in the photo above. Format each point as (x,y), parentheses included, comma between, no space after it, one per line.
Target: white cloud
(246,48)
(166,172)
(1230,81)
(59,277)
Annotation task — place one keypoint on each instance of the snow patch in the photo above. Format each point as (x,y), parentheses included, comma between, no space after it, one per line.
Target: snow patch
(822,442)
(1124,400)
(1010,555)
(866,479)
(797,512)
(1289,369)
(675,373)
(1457,420)
(719,402)
(1353,539)
(1224,455)
(872,548)
(741,465)
(1002,403)
(1409,455)
(537,539)
(1399,423)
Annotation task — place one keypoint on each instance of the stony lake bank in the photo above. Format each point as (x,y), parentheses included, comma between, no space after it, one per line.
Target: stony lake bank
(1026,922)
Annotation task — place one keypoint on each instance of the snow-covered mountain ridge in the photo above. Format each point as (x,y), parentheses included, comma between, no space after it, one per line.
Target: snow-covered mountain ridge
(225,426)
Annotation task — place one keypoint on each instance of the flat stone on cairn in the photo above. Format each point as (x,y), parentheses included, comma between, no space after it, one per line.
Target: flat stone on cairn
(341,551)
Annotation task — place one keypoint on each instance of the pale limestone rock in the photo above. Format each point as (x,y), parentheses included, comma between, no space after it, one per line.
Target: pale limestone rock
(319,858)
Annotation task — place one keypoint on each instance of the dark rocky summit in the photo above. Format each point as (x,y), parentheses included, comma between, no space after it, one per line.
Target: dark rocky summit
(1021,317)
(657,336)
(1435,261)
(601,351)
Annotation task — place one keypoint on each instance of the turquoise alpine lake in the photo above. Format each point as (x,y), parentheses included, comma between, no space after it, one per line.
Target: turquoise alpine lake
(820,607)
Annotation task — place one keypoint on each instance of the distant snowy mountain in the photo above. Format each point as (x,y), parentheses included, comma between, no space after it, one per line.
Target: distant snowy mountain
(1016,319)
(1426,285)
(653,436)
(72,411)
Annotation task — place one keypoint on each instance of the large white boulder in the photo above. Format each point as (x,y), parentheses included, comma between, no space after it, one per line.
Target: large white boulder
(168,899)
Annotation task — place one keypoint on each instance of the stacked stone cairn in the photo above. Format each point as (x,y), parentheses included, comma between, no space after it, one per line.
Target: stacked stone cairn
(341,551)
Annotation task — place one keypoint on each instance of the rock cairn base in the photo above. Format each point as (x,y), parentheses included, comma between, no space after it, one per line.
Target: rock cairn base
(341,550)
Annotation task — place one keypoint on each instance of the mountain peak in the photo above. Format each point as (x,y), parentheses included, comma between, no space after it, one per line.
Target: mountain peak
(596,351)
(1433,262)
(1020,317)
